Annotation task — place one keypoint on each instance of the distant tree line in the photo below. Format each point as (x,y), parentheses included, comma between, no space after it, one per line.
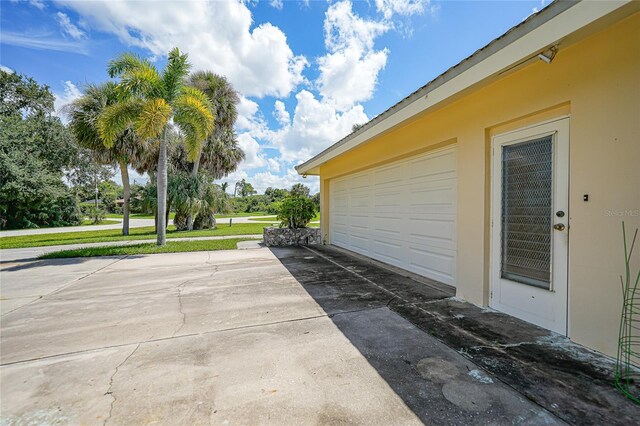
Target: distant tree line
(173,125)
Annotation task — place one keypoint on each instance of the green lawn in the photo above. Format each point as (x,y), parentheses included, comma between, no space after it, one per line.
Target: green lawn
(87,222)
(136,216)
(172,214)
(147,248)
(227,216)
(145,233)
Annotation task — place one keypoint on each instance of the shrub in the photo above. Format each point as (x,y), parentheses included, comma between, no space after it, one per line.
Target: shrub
(274,208)
(296,212)
(96,215)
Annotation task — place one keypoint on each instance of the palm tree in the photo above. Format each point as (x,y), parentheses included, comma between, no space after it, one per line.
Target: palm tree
(151,102)
(84,113)
(221,152)
(224,100)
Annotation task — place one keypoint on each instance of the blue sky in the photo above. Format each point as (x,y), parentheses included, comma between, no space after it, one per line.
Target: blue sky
(306,71)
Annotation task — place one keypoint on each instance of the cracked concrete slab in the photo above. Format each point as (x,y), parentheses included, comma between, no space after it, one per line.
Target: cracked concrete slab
(235,337)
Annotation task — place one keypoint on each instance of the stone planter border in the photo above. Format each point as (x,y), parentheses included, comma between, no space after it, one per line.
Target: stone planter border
(281,237)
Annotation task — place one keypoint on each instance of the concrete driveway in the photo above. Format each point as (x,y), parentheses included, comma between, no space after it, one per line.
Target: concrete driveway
(227,337)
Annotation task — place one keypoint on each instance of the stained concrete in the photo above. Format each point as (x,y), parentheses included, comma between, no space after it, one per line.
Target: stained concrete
(233,337)
(572,382)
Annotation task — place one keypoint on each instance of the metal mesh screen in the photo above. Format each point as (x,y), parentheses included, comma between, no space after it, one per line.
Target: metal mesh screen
(527,188)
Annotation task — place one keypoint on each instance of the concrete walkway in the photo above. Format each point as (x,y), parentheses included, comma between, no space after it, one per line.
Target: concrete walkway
(32,253)
(229,337)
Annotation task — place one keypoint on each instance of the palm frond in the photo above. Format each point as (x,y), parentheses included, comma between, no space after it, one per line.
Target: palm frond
(195,120)
(143,81)
(117,118)
(125,63)
(174,74)
(223,96)
(153,118)
(199,95)
(191,110)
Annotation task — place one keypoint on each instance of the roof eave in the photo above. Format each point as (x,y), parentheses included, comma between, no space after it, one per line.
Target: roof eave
(517,46)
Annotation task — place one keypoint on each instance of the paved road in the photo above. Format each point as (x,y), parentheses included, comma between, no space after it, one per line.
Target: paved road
(134,223)
(227,337)
(31,253)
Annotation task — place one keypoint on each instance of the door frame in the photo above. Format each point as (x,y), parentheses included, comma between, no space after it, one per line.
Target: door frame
(560,129)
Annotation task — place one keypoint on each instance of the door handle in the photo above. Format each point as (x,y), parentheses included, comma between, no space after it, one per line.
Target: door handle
(559,226)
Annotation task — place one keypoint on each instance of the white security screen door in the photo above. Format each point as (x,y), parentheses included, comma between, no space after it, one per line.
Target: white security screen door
(530,224)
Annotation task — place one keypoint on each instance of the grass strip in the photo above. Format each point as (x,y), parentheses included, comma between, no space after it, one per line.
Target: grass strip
(172,215)
(144,233)
(88,222)
(147,248)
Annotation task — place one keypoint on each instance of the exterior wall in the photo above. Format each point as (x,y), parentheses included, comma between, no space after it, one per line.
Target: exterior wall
(596,82)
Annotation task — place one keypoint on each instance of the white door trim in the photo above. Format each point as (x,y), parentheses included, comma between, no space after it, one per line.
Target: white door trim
(546,308)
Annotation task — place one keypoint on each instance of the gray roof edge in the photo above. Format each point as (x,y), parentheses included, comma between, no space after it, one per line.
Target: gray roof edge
(516,32)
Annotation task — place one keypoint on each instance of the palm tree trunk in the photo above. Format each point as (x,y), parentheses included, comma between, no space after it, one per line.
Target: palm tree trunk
(194,173)
(124,172)
(162,191)
(168,213)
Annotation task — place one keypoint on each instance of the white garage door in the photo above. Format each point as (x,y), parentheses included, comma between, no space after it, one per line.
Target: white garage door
(403,214)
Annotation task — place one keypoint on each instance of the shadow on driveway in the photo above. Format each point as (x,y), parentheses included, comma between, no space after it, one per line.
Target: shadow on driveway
(19,265)
(414,333)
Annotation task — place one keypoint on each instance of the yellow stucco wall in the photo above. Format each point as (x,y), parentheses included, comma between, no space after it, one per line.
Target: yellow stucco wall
(597,82)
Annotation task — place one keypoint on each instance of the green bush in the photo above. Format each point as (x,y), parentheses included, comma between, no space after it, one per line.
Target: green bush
(274,208)
(296,212)
(96,215)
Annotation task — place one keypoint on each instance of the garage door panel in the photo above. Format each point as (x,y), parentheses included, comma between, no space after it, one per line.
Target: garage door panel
(429,232)
(360,242)
(402,214)
(388,176)
(341,186)
(359,224)
(439,265)
(436,196)
(340,203)
(360,182)
(433,165)
(387,251)
(388,204)
(360,202)
(389,226)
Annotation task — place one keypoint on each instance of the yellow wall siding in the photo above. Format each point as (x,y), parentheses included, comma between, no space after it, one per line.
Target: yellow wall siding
(597,83)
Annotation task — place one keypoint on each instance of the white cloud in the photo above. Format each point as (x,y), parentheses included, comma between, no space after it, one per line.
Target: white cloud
(401,7)
(281,114)
(349,71)
(217,35)
(43,42)
(248,117)
(253,158)
(315,126)
(39,4)
(264,180)
(68,27)
(6,69)
(278,4)
(70,94)
(273,165)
